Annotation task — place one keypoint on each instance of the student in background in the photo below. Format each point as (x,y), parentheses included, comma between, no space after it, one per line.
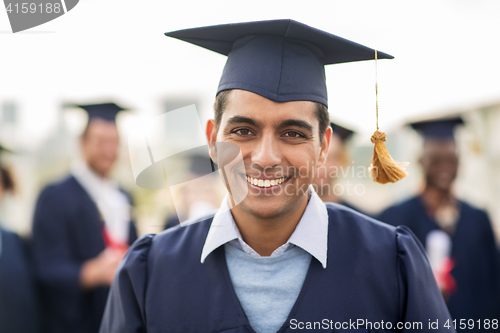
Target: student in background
(197,201)
(335,166)
(458,237)
(81,230)
(18,296)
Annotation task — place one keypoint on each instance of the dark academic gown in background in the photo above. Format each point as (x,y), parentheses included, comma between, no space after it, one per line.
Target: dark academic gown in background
(67,231)
(477,265)
(374,272)
(172,221)
(345,203)
(19,311)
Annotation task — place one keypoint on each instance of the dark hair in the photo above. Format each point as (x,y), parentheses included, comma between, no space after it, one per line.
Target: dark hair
(321,113)
(7,180)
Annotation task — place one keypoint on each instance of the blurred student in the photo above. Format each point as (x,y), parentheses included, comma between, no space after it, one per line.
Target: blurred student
(81,230)
(18,298)
(458,237)
(200,198)
(327,175)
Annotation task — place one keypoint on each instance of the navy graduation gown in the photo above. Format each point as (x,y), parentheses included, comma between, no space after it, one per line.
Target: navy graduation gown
(477,266)
(18,297)
(67,231)
(374,272)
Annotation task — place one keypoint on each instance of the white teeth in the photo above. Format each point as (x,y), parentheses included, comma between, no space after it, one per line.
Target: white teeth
(265,182)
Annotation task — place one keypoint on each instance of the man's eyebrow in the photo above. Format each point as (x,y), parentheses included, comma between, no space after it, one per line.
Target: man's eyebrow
(296,123)
(286,123)
(239,119)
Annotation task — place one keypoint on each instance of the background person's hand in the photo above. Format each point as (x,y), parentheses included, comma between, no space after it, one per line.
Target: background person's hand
(100,270)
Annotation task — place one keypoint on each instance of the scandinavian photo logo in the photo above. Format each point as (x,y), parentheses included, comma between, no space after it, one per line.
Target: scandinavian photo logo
(26,14)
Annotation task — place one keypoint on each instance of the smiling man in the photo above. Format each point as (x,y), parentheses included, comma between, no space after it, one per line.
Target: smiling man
(281,259)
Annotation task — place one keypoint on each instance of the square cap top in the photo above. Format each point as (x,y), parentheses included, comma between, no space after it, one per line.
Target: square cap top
(438,128)
(106,111)
(344,133)
(282,60)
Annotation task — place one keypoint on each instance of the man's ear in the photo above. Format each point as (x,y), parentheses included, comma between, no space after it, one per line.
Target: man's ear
(211,133)
(325,145)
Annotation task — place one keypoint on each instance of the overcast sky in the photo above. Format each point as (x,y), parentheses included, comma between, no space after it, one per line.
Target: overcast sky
(447,56)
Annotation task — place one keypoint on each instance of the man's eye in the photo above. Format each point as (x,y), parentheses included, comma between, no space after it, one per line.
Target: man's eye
(242,131)
(293,135)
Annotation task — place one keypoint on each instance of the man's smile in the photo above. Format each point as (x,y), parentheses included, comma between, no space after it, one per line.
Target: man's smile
(266,181)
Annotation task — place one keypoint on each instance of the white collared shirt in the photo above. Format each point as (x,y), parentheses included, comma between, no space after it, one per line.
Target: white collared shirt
(311,233)
(112,204)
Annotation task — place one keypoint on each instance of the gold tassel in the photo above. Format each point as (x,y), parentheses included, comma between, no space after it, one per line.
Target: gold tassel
(383,168)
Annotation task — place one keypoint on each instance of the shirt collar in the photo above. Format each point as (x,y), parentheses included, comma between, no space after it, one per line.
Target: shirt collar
(311,233)
(89,178)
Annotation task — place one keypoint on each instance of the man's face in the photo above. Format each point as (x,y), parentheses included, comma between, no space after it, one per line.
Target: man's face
(440,163)
(280,146)
(333,163)
(100,146)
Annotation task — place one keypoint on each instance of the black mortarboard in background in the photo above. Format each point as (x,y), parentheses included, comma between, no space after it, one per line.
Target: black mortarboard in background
(282,60)
(344,133)
(106,111)
(201,164)
(441,129)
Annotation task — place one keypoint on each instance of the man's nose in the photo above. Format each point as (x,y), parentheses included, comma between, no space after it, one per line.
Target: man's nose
(267,152)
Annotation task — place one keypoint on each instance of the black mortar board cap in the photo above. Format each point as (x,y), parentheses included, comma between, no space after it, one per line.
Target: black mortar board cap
(344,133)
(106,111)
(437,128)
(281,60)
(201,164)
